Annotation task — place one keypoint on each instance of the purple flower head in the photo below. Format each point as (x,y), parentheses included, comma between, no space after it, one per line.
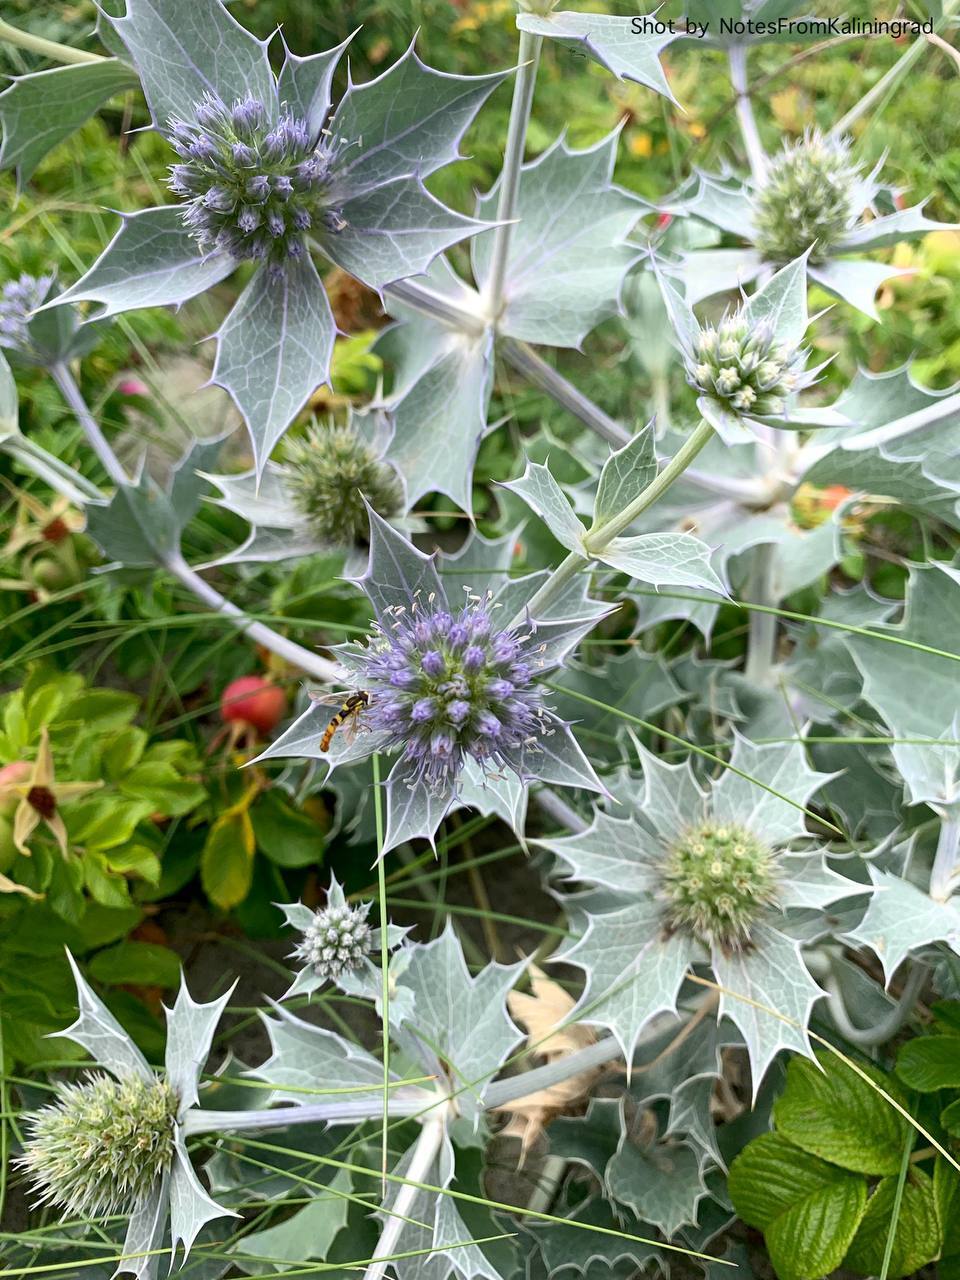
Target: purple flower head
(244,174)
(18,300)
(444,689)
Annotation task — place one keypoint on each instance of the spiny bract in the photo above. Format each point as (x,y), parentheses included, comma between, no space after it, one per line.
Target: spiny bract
(101,1146)
(329,472)
(808,198)
(742,366)
(447,685)
(252,190)
(716,881)
(336,942)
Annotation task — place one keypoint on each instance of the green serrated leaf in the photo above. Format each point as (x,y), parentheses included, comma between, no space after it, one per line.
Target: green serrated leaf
(929,1063)
(918,1235)
(828,1110)
(611,41)
(808,1210)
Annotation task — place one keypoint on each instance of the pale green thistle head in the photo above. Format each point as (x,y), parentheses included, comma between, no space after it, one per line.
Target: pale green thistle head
(717,880)
(329,471)
(336,941)
(99,1149)
(808,198)
(742,367)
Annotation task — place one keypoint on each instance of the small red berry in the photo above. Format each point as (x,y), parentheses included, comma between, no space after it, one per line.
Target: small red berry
(133,387)
(253,701)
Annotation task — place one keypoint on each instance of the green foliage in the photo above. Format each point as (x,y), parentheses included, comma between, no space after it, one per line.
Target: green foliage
(824,1185)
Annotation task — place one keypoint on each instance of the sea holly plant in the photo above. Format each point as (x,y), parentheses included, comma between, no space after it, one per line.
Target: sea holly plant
(264,172)
(751,820)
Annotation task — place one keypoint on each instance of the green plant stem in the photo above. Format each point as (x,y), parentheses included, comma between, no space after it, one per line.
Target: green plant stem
(45,48)
(384,960)
(528,59)
(67,385)
(887,1028)
(889,79)
(745,117)
(596,539)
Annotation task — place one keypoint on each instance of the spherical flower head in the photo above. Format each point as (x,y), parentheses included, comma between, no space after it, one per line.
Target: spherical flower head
(251,188)
(329,472)
(444,686)
(808,198)
(18,300)
(716,881)
(743,368)
(336,942)
(101,1146)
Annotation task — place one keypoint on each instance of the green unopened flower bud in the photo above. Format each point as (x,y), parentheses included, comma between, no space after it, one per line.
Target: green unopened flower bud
(717,880)
(101,1146)
(808,198)
(743,369)
(329,471)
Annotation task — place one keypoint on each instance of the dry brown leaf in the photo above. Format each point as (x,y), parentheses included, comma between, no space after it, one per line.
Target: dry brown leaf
(543,1014)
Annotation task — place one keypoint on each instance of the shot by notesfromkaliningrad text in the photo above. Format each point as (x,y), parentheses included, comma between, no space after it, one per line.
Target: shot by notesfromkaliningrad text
(799,28)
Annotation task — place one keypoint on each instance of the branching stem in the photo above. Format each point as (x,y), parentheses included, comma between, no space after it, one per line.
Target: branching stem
(596,539)
(745,117)
(425,1152)
(402,1103)
(98,442)
(887,1028)
(312,663)
(528,59)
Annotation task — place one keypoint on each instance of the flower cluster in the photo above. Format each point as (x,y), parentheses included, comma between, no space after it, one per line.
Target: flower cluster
(251,189)
(336,941)
(329,471)
(19,299)
(716,881)
(445,686)
(100,1147)
(808,198)
(742,366)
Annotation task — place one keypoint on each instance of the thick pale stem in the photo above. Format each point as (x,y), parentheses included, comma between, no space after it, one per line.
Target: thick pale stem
(312,663)
(45,48)
(600,536)
(430,303)
(745,117)
(946,864)
(536,370)
(424,1153)
(348,1111)
(98,441)
(887,1028)
(762,638)
(528,59)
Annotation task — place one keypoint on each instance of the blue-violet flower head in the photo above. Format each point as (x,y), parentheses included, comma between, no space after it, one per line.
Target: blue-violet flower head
(250,189)
(448,685)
